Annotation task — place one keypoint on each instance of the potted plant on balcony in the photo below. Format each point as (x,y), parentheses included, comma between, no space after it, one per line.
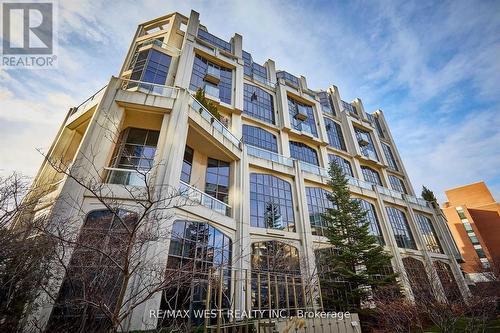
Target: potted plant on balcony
(208,104)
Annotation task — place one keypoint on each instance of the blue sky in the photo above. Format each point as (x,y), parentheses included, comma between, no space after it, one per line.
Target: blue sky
(433,67)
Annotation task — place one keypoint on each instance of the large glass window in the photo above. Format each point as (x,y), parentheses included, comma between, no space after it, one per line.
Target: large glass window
(214,40)
(303,152)
(271,202)
(401,228)
(288,77)
(378,126)
(317,203)
(258,103)
(341,162)
(196,247)
(365,143)
(371,217)
(306,122)
(94,274)
(335,136)
(151,66)
(428,233)
(397,184)
(136,150)
(222,90)
(371,175)
(217,179)
(391,160)
(326,103)
(187,165)
(450,286)
(276,280)
(256,136)
(419,281)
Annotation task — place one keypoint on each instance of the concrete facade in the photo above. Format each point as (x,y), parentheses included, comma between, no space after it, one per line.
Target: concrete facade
(171,110)
(474,219)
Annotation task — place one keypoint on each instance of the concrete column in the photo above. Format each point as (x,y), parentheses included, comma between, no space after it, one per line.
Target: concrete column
(285,146)
(271,70)
(303,228)
(282,104)
(173,141)
(186,59)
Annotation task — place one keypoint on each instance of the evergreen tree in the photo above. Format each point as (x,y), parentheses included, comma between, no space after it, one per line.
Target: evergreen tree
(357,261)
(428,195)
(208,104)
(272,216)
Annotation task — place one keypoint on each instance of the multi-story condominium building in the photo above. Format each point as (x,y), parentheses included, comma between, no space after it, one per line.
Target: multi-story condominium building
(256,177)
(474,219)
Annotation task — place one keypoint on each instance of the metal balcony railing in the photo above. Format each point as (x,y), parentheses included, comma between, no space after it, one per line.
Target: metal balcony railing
(269,155)
(204,199)
(98,94)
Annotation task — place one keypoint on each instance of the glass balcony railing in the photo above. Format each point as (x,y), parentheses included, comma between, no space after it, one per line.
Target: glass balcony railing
(211,90)
(149,88)
(389,192)
(214,40)
(291,79)
(269,155)
(131,177)
(348,107)
(359,183)
(215,123)
(314,169)
(204,199)
(417,201)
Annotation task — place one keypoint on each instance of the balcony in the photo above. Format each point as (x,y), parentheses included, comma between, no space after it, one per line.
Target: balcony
(389,192)
(149,88)
(211,90)
(359,183)
(301,113)
(269,155)
(417,201)
(314,169)
(85,105)
(213,76)
(363,138)
(132,177)
(201,198)
(213,122)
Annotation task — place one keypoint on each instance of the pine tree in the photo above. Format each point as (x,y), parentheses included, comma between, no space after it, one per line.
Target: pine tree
(428,195)
(358,260)
(272,216)
(208,104)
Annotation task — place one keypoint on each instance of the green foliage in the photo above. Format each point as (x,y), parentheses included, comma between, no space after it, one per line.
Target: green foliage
(428,195)
(358,260)
(208,104)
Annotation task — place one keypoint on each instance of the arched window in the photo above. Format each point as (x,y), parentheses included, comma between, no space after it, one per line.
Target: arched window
(371,217)
(276,279)
(303,152)
(335,136)
(271,202)
(419,281)
(317,203)
(397,184)
(94,275)
(195,248)
(450,286)
(371,175)
(258,103)
(342,163)
(428,233)
(256,136)
(401,228)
